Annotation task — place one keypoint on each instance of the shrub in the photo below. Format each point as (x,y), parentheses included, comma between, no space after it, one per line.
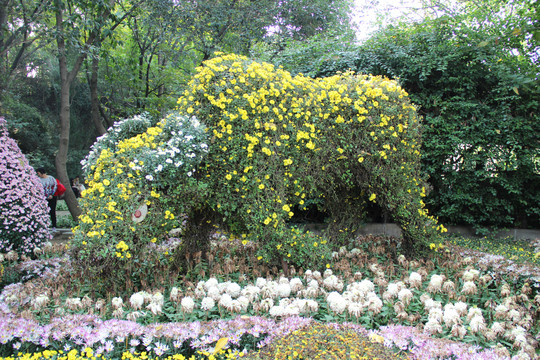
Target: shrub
(268,142)
(131,176)
(279,140)
(24,216)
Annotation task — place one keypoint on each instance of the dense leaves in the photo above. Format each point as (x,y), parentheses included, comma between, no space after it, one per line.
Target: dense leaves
(481,123)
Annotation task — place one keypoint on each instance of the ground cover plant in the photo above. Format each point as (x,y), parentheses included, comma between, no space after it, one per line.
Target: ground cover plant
(449,305)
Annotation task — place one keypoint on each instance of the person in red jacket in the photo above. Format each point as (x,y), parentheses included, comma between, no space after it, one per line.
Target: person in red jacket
(49,187)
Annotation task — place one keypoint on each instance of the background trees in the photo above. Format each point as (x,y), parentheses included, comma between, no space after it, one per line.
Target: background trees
(474,77)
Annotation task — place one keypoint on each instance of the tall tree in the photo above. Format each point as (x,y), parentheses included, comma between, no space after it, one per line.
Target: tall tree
(79,26)
(23,30)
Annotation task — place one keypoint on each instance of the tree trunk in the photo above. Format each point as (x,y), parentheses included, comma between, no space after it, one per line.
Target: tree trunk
(66,79)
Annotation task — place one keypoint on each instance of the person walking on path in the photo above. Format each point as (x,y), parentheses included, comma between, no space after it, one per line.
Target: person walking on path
(49,186)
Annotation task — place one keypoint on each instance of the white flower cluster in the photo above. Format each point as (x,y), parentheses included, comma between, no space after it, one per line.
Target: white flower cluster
(123,129)
(181,147)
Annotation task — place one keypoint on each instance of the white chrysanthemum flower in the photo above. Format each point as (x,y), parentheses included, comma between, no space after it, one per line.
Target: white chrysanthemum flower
(330,282)
(301,304)
(244,302)
(405,295)
(473,312)
(200,290)
(251,292)
(308,275)
(505,290)
(266,304)
(313,284)
(40,301)
(291,310)
(521,355)
(477,324)
(514,315)
(118,313)
(207,303)
(366,286)
(235,306)
(393,289)
(174,294)
(234,290)
(317,275)
(436,314)
(283,290)
(336,302)
(223,286)
(269,290)
(355,309)
(311,292)
(158,298)
(415,279)
(461,308)
(212,282)
(449,286)
(471,275)
(283,280)
(451,317)
(134,315)
(433,327)
(432,304)
(498,328)
(296,285)
(469,288)
(515,332)
(214,293)
(187,304)
(284,302)
(225,301)
(435,283)
(402,260)
(73,303)
(459,331)
(276,311)
(424,297)
(374,303)
(312,305)
(117,302)
(327,273)
(155,308)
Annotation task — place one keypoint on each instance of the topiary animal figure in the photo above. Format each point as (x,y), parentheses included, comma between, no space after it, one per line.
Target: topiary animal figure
(260,144)
(24,216)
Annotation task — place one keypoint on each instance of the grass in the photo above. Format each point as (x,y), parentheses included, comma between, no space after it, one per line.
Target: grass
(522,251)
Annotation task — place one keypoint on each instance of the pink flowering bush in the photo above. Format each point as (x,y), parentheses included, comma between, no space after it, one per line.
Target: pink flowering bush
(24,217)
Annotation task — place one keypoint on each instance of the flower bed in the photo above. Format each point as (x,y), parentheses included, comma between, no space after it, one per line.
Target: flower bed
(447,307)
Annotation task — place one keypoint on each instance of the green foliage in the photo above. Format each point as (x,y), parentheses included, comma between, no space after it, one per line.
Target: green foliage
(512,249)
(480,115)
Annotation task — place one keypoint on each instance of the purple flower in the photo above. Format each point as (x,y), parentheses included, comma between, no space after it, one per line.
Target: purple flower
(24,215)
